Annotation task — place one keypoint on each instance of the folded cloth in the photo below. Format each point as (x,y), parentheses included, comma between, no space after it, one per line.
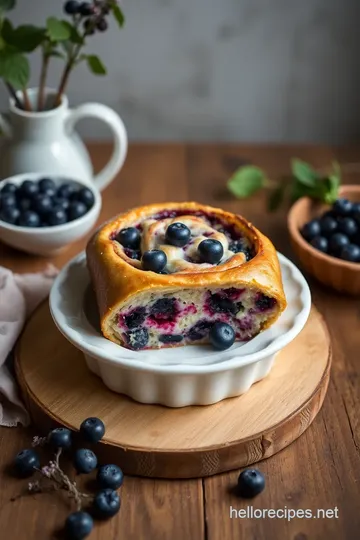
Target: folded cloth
(20,294)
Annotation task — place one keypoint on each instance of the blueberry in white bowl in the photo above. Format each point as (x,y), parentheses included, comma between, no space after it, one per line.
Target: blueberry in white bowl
(9,188)
(11,215)
(43,200)
(42,214)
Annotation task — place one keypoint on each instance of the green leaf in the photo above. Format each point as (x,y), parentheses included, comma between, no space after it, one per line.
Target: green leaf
(67,46)
(25,38)
(276,197)
(74,35)
(246,181)
(57,30)
(7,29)
(304,172)
(7,5)
(95,65)
(118,14)
(298,190)
(332,184)
(14,69)
(337,169)
(56,54)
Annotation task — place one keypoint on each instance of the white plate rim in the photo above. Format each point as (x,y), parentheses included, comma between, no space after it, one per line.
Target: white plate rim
(103,352)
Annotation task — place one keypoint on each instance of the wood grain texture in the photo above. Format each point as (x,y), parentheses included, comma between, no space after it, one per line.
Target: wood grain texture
(319,470)
(155,441)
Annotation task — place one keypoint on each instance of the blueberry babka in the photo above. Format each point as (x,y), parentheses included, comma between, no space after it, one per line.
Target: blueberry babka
(183,273)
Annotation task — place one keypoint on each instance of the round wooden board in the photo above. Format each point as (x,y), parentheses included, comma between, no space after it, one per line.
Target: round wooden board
(155,441)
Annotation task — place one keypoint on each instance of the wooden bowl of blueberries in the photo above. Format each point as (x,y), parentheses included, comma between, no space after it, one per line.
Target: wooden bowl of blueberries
(326,239)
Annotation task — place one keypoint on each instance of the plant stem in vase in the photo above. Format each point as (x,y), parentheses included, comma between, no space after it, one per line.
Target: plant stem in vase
(27,104)
(93,17)
(58,38)
(13,95)
(43,75)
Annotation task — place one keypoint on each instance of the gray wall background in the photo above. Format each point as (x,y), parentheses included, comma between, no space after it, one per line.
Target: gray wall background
(223,70)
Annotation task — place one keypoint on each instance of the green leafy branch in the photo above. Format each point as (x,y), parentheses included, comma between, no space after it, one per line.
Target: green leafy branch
(57,39)
(304,181)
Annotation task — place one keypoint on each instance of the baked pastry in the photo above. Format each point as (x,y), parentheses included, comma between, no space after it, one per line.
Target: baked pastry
(163,274)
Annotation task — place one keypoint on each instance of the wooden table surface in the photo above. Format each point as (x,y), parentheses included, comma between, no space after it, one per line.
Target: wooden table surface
(321,470)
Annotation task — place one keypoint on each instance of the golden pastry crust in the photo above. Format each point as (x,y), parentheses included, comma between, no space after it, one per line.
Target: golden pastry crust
(117,279)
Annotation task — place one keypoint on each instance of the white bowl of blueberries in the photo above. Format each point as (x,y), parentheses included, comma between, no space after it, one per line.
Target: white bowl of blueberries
(42,214)
(326,239)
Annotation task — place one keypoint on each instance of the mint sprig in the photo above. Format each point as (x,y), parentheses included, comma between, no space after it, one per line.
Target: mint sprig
(305,181)
(246,181)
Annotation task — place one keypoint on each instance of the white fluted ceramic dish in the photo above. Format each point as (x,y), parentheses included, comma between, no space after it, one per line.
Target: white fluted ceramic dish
(182,376)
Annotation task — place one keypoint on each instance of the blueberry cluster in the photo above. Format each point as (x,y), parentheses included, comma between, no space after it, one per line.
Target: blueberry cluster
(93,13)
(43,203)
(209,250)
(337,231)
(109,478)
(177,234)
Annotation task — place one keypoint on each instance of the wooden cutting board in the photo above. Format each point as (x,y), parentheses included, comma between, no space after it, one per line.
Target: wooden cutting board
(155,441)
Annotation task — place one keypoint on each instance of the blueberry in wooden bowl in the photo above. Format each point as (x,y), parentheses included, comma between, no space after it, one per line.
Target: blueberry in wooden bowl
(42,214)
(326,239)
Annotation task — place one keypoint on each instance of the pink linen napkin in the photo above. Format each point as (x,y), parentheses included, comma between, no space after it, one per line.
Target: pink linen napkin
(20,294)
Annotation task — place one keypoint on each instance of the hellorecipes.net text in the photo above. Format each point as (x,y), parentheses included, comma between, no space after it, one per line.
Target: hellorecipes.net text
(249,512)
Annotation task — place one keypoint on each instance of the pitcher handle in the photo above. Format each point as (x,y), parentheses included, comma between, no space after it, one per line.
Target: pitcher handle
(113,120)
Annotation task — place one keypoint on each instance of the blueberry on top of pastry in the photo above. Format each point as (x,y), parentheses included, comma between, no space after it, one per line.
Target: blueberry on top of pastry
(168,275)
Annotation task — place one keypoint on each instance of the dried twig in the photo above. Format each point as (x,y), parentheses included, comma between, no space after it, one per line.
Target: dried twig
(62,481)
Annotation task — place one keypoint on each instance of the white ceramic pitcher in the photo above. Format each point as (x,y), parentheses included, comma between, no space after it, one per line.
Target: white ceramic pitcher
(47,142)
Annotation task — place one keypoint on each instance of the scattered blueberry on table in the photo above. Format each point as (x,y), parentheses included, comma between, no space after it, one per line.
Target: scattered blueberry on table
(85,461)
(78,525)
(251,482)
(60,438)
(26,462)
(92,429)
(106,503)
(337,231)
(43,203)
(110,476)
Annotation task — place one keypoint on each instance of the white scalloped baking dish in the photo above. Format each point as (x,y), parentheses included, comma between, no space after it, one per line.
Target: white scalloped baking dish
(182,376)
